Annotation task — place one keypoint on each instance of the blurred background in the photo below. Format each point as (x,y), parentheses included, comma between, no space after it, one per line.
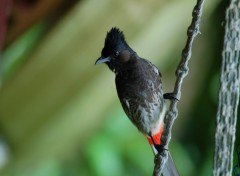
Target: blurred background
(59,113)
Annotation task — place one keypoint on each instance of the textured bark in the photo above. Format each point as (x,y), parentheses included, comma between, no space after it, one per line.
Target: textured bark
(228,93)
(181,73)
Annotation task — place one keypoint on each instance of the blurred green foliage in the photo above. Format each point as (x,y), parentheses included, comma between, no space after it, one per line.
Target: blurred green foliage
(16,54)
(59,114)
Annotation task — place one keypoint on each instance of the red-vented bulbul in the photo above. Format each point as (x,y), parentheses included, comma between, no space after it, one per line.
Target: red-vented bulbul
(139,89)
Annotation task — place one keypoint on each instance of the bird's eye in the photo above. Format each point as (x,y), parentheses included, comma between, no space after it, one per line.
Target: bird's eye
(115,53)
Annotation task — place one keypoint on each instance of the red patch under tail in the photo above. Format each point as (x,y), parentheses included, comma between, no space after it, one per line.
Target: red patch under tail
(156,137)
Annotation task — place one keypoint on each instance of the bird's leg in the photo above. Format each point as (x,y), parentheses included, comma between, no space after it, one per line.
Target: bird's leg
(158,147)
(171,96)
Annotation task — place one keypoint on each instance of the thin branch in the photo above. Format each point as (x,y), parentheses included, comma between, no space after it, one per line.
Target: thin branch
(181,72)
(228,93)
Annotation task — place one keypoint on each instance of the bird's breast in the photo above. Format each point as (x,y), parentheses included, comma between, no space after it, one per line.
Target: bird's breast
(140,93)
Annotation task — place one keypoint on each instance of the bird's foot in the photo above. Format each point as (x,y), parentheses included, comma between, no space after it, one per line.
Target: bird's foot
(171,96)
(160,148)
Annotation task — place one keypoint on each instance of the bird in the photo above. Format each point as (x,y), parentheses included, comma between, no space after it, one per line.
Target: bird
(139,88)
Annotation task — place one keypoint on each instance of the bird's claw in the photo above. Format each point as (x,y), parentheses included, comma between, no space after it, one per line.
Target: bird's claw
(171,96)
(160,148)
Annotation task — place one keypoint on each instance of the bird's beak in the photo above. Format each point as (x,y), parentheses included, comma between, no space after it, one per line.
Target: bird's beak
(102,60)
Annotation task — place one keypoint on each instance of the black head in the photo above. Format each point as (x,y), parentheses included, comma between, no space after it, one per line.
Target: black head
(116,51)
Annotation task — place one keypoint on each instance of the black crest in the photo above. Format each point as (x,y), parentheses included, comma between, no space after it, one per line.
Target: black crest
(114,37)
(114,40)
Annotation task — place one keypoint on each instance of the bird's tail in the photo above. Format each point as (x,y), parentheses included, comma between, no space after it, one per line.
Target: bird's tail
(170,168)
(155,141)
